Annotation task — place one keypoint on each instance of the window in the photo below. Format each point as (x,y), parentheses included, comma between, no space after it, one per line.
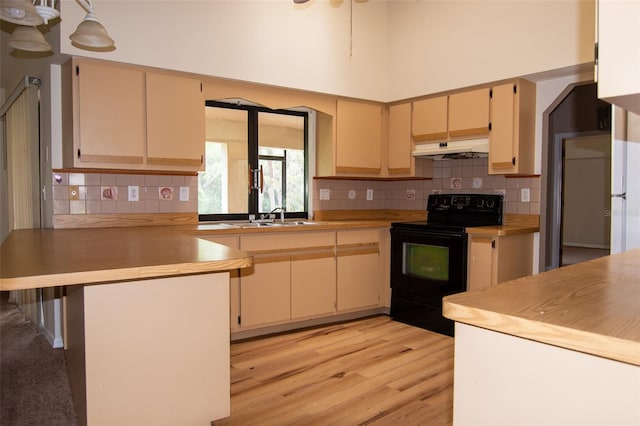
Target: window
(256,162)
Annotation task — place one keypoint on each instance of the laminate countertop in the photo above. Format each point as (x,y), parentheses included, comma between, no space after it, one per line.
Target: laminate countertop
(32,258)
(591,307)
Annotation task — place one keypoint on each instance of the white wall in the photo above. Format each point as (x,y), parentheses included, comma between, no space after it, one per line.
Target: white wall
(394,50)
(266,41)
(439,45)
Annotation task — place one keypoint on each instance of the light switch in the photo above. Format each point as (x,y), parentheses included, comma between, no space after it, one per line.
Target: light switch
(369,194)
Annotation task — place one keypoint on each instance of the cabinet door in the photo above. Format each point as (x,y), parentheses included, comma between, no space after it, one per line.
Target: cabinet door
(400,143)
(429,119)
(358,137)
(265,292)
(469,114)
(618,70)
(359,268)
(480,268)
(502,153)
(175,121)
(109,116)
(313,284)
(511,139)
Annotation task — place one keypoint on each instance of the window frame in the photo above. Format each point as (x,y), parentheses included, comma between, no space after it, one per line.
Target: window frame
(254,157)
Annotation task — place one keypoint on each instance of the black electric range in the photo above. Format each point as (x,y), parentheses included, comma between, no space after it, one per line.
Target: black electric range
(429,258)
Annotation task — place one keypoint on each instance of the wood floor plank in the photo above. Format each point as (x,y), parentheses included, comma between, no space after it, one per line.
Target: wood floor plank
(369,371)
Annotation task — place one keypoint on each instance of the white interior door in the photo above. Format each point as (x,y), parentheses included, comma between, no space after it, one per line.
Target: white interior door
(625,181)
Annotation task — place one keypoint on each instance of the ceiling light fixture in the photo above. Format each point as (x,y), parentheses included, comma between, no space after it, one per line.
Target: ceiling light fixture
(89,35)
(29,39)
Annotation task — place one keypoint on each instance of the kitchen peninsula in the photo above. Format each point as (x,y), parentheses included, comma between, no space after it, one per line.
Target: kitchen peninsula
(560,347)
(147,314)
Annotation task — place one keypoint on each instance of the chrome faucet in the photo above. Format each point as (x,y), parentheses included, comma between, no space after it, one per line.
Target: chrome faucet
(282,210)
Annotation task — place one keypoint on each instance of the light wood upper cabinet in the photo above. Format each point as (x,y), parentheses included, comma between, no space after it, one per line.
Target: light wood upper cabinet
(109,109)
(358,137)
(511,138)
(400,143)
(469,114)
(175,120)
(429,119)
(618,62)
(457,116)
(123,117)
(496,259)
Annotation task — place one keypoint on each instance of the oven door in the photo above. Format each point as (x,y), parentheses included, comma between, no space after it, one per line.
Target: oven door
(425,267)
(428,264)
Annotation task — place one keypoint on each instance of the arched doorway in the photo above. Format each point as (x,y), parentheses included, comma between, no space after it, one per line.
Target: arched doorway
(577,117)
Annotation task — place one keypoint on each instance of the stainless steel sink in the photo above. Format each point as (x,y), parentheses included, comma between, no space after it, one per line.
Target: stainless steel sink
(272,224)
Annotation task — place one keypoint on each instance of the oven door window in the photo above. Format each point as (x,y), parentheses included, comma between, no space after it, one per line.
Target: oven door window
(425,261)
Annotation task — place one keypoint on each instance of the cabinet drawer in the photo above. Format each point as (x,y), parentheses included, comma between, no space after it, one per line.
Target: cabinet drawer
(358,236)
(274,242)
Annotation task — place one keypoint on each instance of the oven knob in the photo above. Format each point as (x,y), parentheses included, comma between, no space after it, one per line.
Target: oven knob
(479,203)
(490,203)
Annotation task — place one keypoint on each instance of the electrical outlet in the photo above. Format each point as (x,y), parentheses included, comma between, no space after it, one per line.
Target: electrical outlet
(184,193)
(369,194)
(133,193)
(410,194)
(525,195)
(352,194)
(325,194)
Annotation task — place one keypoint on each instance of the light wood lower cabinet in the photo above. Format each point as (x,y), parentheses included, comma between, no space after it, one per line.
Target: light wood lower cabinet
(306,276)
(360,269)
(496,259)
(293,277)
(265,291)
(313,278)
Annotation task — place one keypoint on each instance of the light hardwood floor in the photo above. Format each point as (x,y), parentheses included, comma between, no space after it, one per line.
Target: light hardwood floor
(373,371)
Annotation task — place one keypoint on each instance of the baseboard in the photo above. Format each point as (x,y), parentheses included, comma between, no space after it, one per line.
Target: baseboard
(55,342)
(590,246)
(259,332)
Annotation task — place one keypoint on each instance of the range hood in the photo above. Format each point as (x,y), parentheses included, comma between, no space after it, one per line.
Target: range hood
(470,148)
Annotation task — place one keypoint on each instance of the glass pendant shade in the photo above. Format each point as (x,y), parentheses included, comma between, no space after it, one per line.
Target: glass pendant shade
(21,12)
(29,39)
(91,34)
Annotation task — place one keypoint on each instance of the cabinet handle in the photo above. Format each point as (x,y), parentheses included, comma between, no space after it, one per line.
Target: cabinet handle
(493,244)
(78,152)
(513,161)
(201,159)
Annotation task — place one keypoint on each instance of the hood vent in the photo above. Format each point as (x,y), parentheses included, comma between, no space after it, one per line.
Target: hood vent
(471,148)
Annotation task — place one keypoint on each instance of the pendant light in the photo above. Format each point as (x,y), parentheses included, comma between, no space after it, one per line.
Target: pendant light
(21,12)
(90,34)
(29,39)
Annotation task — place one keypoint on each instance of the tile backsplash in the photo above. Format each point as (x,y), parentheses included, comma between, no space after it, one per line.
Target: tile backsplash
(108,193)
(451,176)
(100,193)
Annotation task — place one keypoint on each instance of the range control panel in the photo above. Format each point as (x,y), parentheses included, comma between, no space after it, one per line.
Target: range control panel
(465,209)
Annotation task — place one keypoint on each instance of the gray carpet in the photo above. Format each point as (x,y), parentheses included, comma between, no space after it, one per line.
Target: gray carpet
(34,387)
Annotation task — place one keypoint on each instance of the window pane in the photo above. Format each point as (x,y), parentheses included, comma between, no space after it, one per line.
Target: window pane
(222,187)
(281,148)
